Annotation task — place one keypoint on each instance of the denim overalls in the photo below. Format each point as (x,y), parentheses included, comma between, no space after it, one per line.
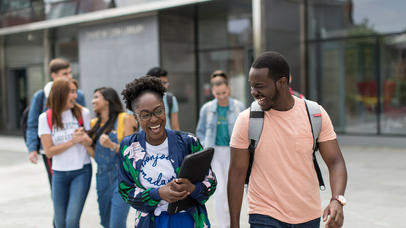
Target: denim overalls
(113,209)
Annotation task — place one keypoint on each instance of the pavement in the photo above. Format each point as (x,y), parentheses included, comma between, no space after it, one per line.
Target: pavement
(376,190)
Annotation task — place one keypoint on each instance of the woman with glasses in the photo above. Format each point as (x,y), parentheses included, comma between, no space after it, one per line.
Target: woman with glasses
(62,132)
(150,162)
(107,130)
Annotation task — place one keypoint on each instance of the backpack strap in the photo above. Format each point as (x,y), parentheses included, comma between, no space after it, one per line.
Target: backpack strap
(169,100)
(256,123)
(49,118)
(314,115)
(80,121)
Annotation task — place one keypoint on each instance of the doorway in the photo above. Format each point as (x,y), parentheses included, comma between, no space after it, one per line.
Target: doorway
(17,96)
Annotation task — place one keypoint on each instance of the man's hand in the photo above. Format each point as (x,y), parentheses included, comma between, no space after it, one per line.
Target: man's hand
(33,156)
(334,215)
(169,194)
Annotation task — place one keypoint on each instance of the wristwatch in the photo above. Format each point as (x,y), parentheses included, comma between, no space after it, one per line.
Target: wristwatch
(340,199)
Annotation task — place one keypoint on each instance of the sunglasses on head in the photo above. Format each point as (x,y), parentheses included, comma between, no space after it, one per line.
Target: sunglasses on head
(219,74)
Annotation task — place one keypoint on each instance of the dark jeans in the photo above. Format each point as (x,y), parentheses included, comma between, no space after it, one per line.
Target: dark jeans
(263,221)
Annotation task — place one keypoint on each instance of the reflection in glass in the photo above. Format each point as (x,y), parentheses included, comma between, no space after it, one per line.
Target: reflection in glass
(16,12)
(347,79)
(342,18)
(286,37)
(232,62)
(361,80)
(393,78)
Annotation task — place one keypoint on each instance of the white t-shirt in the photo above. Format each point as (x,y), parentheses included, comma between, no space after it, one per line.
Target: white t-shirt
(74,157)
(157,170)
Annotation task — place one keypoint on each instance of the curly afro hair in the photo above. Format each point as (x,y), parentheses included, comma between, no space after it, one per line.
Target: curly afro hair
(136,88)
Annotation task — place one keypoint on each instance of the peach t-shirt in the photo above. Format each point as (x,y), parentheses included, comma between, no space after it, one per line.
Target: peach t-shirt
(283,182)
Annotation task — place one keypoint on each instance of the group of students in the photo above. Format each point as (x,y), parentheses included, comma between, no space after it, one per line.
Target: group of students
(69,138)
(60,127)
(138,155)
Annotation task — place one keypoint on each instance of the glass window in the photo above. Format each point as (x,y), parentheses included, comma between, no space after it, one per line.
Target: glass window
(16,12)
(286,37)
(234,62)
(24,73)
(341,18)
(225,23)
(344,76)
(66,46)
(393,85)
(225,43)
(177,50)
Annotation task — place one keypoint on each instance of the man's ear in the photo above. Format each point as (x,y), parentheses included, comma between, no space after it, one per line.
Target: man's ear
(53,76)
(282,82)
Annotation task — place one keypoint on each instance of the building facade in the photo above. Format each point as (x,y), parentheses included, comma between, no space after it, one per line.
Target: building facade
(349,55)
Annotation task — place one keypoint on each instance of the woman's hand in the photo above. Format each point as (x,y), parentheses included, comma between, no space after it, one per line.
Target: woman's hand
(105,141)
(77,136)
(170,193)
(80,136)
(183,184)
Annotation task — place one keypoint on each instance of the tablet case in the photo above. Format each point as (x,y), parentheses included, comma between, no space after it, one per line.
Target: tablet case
(194,168)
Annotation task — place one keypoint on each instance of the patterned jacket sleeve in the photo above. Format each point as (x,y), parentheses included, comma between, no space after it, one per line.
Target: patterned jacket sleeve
(207,187)
(144,200)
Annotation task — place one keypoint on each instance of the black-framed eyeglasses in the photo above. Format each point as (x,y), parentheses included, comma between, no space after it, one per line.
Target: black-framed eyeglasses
(145,115)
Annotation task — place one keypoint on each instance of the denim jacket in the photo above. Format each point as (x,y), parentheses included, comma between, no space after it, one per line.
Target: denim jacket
(206,129)
(33,115)
(145,201)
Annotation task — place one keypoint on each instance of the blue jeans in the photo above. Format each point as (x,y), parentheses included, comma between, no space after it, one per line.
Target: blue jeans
(263,221)
(69,192)
(113,209)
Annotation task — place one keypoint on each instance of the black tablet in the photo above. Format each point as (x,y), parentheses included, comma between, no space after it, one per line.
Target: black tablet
(194,168)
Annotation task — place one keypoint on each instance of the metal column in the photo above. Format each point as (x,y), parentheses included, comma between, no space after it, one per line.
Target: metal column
(258,25)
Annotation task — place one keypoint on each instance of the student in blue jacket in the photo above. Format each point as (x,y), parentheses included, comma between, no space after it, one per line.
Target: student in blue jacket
(150,162)
(58,68)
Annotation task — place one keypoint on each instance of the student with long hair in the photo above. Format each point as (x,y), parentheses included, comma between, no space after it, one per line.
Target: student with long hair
(62,132)
(150,162)
(107,130)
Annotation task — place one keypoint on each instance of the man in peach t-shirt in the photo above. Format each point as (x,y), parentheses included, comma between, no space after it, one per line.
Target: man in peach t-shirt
(283,188)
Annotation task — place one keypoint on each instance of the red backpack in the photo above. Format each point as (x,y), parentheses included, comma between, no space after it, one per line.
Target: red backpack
(49,118)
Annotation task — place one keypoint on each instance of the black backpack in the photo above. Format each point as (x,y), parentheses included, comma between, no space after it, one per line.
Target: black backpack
(169,100)
(24,117)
